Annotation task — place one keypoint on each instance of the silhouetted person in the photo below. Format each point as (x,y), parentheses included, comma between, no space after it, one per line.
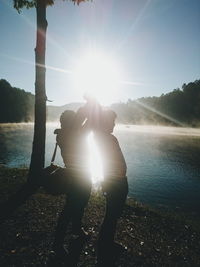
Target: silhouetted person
(115,186)
(72,141)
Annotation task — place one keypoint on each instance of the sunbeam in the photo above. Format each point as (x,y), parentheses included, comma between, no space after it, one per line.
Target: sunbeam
(133,83)
(161,114)
(132,27)
(33,64)
(96,75)
(96,168)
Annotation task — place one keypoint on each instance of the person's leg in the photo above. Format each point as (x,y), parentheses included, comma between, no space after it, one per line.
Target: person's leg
(62,224)
(115,200)
(106,234)
(80,201)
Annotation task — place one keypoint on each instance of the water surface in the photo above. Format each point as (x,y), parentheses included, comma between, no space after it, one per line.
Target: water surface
(163,162)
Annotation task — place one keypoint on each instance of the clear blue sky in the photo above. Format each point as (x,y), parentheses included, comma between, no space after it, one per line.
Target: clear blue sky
(156,43)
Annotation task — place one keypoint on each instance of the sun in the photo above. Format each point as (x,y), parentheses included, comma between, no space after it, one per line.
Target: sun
(98,75)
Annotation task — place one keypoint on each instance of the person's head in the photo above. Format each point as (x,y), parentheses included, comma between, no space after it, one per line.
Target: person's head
(67,119)
(107,120)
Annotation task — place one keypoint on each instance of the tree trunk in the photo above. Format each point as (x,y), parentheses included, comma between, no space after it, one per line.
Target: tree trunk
(38,149)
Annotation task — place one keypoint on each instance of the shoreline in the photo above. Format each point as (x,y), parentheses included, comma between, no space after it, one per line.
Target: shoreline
(152,237)
(183,211)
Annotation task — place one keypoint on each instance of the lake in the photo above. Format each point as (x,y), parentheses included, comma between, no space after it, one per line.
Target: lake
(163,162)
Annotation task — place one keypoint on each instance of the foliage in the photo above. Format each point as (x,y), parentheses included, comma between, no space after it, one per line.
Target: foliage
(16,105)
(181,105)
(19,4)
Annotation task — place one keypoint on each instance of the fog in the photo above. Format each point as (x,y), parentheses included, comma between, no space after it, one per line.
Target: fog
(154,129)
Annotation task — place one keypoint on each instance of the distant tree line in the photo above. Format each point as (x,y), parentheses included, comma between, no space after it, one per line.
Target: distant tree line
(16,105)
(181,107)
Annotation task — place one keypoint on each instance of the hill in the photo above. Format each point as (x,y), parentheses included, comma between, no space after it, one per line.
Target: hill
(181,107)
(54,112)
(16,105)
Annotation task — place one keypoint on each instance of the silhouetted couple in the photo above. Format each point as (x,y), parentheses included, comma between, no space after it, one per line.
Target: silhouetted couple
(71,139)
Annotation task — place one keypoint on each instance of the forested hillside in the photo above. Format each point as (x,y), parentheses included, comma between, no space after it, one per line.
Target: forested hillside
(181,107)
(16,105)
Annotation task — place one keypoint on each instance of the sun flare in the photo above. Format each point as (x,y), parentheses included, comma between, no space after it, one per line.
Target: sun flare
(97,75)
(95,161)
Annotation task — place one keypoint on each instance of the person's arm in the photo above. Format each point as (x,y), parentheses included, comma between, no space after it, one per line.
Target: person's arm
(93,109)
(88,116)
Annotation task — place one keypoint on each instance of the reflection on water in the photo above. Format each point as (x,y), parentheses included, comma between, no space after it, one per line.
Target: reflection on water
(15,144)
(163,162)
(164,168)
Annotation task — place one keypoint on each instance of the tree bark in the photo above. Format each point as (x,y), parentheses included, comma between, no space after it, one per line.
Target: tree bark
(38,148)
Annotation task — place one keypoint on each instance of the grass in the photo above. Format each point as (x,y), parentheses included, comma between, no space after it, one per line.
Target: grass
(152,238)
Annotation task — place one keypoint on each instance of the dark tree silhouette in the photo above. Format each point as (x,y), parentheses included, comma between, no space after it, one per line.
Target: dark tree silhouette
(38,148)
(181,107)
(16,105)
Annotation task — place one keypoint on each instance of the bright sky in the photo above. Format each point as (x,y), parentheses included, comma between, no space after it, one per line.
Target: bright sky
(141,47)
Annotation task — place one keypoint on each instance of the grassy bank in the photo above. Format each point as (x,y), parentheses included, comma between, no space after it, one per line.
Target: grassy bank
(152,238)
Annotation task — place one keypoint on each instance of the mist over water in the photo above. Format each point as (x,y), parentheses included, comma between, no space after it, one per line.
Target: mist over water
(163,165)
(163,162)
